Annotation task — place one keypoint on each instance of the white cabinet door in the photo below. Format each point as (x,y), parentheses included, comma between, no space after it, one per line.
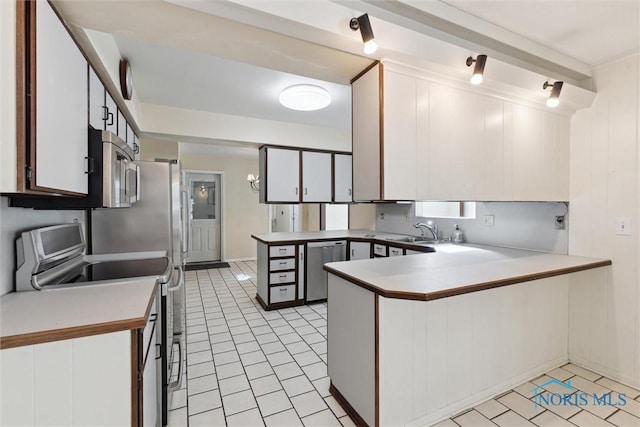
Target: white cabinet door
(359,250)
(422,140)
(342,178)
(399,177)
(316,177)
(96,101)
(150,385)
(365,95)
(112,114)
(122,126)
(61,106)
(282,175)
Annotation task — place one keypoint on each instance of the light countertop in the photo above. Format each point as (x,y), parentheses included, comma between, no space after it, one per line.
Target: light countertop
(456,269)
(35,317)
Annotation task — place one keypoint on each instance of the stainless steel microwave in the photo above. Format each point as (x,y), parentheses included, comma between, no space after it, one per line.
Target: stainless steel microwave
(113,178)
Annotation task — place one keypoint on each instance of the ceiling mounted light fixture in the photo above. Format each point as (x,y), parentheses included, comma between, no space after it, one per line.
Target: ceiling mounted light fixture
(478,70)
(554,98)
(362,23)
(305,97)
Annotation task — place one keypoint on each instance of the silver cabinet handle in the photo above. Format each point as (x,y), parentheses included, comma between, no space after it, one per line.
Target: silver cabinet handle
(180,280)
(283,291)
(296,191)
(283,262)
(178,382)
(353,252)
(283,276)
(349,191)
(282,250)
(305,191)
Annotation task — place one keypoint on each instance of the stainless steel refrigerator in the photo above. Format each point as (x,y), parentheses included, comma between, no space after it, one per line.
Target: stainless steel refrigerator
(158,221)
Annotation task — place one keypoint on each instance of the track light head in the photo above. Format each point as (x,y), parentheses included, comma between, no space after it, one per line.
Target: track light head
(478,70)
(554,97)
(363,24)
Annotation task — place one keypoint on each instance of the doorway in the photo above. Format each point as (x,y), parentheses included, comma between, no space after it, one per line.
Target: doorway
(204,192)
(285,218)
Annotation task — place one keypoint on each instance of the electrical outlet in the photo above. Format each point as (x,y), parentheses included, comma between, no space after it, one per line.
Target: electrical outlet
(623,226)
(560,223)
(381,215)
(489,220)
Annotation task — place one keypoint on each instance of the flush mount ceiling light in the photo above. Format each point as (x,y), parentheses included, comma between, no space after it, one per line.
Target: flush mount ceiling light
(362,23)
(305,97)
(478,70)
(554,98)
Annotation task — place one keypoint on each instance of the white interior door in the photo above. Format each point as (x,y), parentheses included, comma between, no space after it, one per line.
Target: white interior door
(204,217)
(285,218)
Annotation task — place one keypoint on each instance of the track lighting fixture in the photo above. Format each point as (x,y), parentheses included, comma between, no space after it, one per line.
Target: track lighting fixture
(362,23)
(554,98)
(478,70)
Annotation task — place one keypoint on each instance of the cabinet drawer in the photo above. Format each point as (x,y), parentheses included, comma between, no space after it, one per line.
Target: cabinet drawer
(287,277)
(282,264)
(380,250)
(395,251)
(275,251)
(282,293)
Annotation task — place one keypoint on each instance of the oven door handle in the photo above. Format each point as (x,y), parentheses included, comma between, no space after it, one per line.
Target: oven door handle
(177,286)
(178,382)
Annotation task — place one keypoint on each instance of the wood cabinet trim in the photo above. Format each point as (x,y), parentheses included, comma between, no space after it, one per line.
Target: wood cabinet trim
(69,333)
(365,71)
(136,377)
(350,410)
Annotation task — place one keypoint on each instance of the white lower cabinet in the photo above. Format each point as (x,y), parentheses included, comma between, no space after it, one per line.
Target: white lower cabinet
(395,251)
(76,382)
(359,250)
(282,293)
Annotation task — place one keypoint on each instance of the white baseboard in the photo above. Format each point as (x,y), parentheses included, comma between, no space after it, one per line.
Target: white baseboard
(240,259)
(471,401)
(605,371)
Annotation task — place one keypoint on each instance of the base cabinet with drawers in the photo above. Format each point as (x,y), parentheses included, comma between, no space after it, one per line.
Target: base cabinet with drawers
(280,275)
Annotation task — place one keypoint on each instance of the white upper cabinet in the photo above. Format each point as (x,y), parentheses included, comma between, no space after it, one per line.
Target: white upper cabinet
(111,122)
(443,142)
(97,108)
(342,178)
(61,106)
(399,137)
(122,126)
(279,175)
(365,100)
(316,176)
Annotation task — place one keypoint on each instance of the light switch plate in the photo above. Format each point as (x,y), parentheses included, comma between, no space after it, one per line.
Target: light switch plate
(623,226)
(489,220)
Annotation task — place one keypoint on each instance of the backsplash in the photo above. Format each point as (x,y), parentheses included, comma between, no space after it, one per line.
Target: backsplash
(522,225)
(16,220)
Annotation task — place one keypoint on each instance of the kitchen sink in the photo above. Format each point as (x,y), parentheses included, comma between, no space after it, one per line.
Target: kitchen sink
(419,240)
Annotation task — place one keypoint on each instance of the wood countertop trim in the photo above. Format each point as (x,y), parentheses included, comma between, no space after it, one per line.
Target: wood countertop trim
(70,333)
(444,293)
(372,240)
(56,316)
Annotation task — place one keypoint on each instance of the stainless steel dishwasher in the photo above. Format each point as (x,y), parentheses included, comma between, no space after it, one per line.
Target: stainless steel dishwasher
(318,254)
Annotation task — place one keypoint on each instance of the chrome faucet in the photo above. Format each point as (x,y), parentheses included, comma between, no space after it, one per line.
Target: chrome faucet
(429,226)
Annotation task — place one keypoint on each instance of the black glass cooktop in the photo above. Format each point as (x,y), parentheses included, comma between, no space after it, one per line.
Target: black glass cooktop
(113,270)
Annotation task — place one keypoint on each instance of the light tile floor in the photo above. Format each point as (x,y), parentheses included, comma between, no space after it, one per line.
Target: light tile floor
(516,407)
(249,367)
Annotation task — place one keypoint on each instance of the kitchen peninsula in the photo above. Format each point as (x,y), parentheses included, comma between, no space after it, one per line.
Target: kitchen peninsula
(412,340)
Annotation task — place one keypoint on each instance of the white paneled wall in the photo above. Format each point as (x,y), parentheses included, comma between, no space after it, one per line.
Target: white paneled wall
(439,357)
(604,323)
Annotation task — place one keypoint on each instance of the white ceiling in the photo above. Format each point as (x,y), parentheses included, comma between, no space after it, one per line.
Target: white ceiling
(235,56)
(591,31)
(198,81)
